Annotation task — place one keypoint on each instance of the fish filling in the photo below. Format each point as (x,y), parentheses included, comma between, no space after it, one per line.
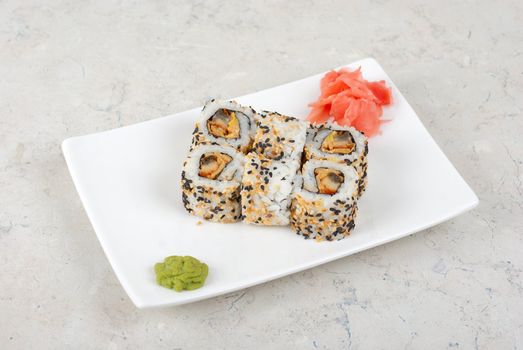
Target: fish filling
(224,123)
(338,141)
(328,180)
(212,164)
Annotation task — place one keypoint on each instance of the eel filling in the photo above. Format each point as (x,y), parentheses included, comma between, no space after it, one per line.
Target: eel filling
(212,164)
(338,141)
(328,180)
(224,123)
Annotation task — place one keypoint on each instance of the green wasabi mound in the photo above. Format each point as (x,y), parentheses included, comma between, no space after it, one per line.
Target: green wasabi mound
(181,273)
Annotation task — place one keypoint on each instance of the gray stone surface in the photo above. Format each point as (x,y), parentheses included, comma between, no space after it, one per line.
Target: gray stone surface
(75,67)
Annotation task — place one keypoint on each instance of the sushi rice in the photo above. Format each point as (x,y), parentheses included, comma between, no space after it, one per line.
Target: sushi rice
(266,188)
(278,136)
(271,167)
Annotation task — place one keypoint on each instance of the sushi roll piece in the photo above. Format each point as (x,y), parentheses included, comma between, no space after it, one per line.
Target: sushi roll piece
(324,204)
(211,181)
(225,123)
(266,188)
(343,144)
(337,143)
(278,136)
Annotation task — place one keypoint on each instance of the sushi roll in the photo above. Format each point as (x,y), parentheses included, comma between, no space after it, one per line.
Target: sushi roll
(324,203)
(342,144)
(266,188)
(225,123)
(211,181)
(278,136)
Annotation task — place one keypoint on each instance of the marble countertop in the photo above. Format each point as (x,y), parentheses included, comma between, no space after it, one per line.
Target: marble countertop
(73,67)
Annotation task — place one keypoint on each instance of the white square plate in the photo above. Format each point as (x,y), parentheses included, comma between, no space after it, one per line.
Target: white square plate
(129,182)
